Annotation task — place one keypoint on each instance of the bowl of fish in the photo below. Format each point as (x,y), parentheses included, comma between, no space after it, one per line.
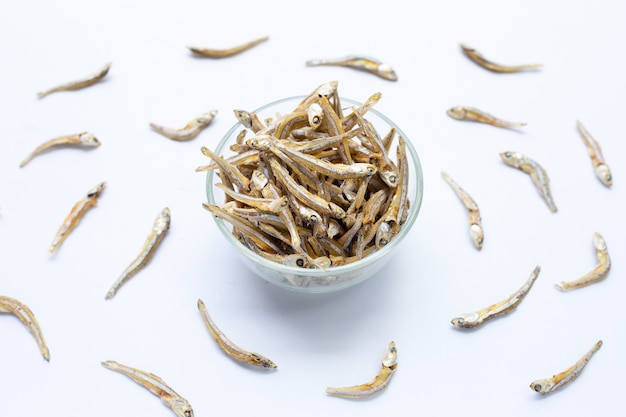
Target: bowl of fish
(315,192)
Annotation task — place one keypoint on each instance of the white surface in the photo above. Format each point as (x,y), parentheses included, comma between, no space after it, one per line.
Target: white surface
(317,340)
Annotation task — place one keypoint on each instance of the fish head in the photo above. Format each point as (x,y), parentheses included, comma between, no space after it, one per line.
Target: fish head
(206,118)
(262,361)
(97,190)
(599,242)
(182,408)
(315,115)
(387,72)
(390,357)
(162,222)
(513,159)
(467,321)
(296,259)
(604,173)
(476,232)
(244,117)
(261,142)
(542,386)
(327,89)
(456,112)
(89,139)
(259,180)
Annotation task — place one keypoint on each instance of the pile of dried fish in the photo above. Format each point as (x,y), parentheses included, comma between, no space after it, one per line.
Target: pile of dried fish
(314,187)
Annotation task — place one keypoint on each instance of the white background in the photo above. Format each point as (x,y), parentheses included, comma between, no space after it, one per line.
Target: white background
(325,339)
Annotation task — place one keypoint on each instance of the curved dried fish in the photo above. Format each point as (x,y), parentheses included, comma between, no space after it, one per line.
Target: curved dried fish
(191,129)
(471,320)
(379,383)
(475,56)
(474,115)
(595,153)
(229,347)
(557,381)
(75,215)
(159,229)
(536,172)
(223,53)
(598,273)
(476,228)
(361,63)
(85,139)
(81,83)
(155,385)
(26,316)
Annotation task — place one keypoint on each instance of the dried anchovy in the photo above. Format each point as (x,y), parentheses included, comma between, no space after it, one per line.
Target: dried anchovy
(477,57)
(223,53)
(78,84)
(345,195)
(379,383)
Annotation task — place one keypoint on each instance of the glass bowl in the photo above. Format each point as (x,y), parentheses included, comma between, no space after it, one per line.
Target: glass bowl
(333,278)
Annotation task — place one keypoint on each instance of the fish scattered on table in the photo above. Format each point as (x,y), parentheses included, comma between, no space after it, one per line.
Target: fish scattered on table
(557,381)
(80,139)
(78,84)
(159,229)
(595,153)
(179,405)
(475,319)
(475,56)
(475,115)
(75,215)
(598,273)
(223,53)
(231,349)
(476,228)
(361,63)
(26,316)
(379,383)
(189,131)
(537,173)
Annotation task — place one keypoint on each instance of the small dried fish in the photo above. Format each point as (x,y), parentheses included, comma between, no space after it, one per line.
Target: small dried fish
(379,383)
(159,229)
(471,320)
(596,274)
(84,138)
(191,129)
(361,63)
(155,385)
(536,172)
(75,215)
(82,83)
(475,115)
(346,197)
(229,347)
(26,316)
(223,53)
(476,229)
(595,153)
(475,56)
(548,385)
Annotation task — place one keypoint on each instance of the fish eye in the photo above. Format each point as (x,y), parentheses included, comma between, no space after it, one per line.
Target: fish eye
(300,262)
(537,387)
(508,154)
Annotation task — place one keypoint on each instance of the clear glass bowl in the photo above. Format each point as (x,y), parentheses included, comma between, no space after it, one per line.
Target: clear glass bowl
(335,277)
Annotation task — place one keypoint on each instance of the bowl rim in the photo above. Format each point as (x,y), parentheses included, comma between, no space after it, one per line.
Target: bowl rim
(226,229)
